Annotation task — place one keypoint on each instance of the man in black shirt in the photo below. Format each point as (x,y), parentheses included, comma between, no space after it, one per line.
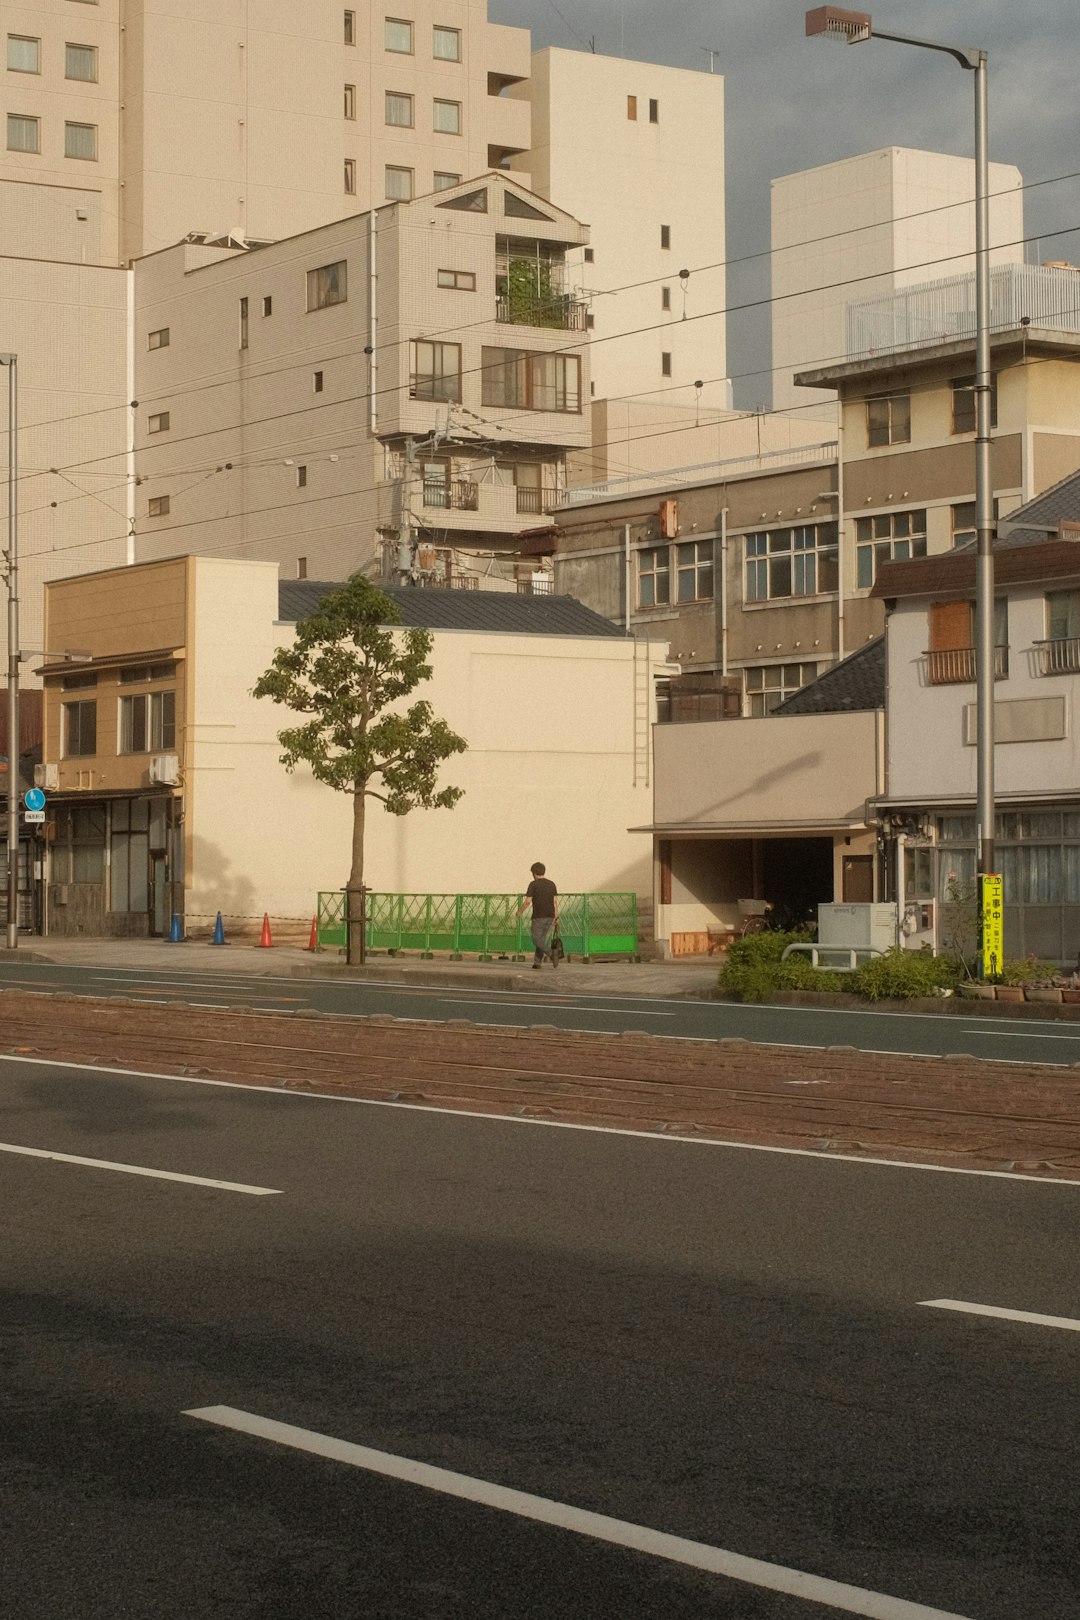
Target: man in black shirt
(544,897)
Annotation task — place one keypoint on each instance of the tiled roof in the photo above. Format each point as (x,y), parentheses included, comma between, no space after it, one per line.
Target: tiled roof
(1061,500)
(1023,564)
(857,682)
(461,610)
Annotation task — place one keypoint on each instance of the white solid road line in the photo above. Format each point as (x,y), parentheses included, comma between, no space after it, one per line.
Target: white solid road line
(595,1012)
(140,1170)
(1068,1322)
(616,1532)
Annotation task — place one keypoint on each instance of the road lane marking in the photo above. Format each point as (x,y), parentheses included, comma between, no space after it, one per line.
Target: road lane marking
(139,1170)
(1021,1034)
(1068,1322)
(667,1137)
(554,1006)
(597,1526)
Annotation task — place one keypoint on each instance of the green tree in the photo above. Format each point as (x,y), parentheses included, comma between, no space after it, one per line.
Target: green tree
(348,669)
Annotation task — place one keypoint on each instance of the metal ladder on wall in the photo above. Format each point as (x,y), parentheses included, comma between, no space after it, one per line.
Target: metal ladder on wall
(642,713)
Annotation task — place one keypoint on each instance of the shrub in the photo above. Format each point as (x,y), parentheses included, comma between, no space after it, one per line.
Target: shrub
(1029,971)
(903,975)
(752,969)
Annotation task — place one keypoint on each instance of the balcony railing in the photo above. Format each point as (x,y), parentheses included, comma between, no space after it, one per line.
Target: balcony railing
(560,311)
(536,587)
(534,500)
(1059,657)
(954,666)
(457,495)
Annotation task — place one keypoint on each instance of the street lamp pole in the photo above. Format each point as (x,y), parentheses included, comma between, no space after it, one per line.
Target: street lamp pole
(11,361)
(851,27)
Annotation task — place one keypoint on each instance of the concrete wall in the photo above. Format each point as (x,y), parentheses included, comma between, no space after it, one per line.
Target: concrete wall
(626,177)
(867,224)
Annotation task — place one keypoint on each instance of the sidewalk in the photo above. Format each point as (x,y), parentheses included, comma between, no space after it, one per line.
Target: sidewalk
(695,978)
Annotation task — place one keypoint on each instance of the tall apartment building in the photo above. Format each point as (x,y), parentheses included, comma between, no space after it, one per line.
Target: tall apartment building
(872,225)
(395,392)
(150,119)
(636,151)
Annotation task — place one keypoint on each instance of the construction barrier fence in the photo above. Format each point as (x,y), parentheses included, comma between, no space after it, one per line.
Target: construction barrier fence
(481,924)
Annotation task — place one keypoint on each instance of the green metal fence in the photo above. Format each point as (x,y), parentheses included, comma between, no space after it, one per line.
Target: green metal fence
(481,924)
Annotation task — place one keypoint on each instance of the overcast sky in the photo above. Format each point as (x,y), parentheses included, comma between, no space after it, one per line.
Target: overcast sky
(793,103)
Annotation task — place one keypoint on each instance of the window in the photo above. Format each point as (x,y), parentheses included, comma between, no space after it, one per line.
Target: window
(23,54)
(350,177)
(301,478)
(963,404)
(694,571)
(631,108)
(78,855)
(889,537)
(158,339)
(80,141)
(665,236)
(444,181)
(767,685)
(447,117)
(533,382)
(800,561)
(951,658)
(147,722)
(461,280)
(399,109)
(964,531)
(447,44)
(399,183)
(301,568)
(78,683)
(665,363)
(243,335)
(350,101)
(436,371)
(23,134)
(589,255)
(158,423)
(654,112)
(654,576)
(129,854)
(350,27)
(398,35)
(140,674)
(158,506)
(1060,652)
(316,382)
(665,298)
(80,729)
(327,285)
(268,305)
(80,62)
(888,419)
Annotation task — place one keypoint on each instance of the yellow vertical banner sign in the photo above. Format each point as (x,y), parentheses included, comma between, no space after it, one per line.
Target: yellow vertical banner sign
(991,929)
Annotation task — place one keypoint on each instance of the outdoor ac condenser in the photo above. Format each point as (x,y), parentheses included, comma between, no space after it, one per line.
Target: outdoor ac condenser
(47,776)
(165,769)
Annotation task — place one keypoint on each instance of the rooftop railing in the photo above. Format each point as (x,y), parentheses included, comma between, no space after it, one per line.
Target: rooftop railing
(943,311)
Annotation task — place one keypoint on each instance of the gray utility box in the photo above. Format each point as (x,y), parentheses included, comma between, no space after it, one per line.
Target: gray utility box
(866,925)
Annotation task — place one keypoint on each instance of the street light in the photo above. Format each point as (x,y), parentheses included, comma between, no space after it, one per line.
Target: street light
(851,27)
(11,361)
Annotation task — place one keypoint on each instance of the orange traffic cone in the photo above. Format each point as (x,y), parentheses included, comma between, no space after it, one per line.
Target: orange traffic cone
(313,941)
(265,941)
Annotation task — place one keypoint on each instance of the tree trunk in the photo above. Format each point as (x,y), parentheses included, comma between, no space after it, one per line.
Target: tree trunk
(355,925)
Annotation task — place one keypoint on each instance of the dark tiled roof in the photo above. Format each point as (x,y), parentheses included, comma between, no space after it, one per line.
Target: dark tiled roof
(857,682)
(461,610)
(1023,564)
(1061,500)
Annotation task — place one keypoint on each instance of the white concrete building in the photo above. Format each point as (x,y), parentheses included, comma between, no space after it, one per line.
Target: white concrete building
(866,225)
(155,118)
(636,151)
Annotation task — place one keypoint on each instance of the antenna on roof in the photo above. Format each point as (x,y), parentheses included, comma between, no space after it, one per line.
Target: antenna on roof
(712,53)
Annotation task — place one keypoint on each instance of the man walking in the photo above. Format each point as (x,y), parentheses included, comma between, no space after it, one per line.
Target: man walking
(544,898)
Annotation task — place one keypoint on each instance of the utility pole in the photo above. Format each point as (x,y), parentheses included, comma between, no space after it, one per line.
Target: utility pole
(11,557)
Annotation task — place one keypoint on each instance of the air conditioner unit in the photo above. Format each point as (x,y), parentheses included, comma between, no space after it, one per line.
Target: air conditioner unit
(47,776)
(165,769)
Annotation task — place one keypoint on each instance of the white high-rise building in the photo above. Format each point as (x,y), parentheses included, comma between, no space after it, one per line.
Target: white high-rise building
(637,152)
(872,224)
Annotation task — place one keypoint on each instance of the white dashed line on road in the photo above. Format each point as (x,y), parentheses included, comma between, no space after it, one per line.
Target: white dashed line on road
(139,1170)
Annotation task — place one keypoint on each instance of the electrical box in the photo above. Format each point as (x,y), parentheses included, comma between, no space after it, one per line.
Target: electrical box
(859,925)
(669,519)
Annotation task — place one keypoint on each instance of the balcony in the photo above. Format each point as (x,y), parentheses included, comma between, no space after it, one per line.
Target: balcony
(455,495)
(1061,657)
(955,666)
(534,500)
(558,311)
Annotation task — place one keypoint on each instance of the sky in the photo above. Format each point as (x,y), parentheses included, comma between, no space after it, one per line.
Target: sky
(792,103)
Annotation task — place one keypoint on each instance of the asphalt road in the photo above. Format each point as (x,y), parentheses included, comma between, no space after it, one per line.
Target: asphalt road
(1014,1040)
(725,1346)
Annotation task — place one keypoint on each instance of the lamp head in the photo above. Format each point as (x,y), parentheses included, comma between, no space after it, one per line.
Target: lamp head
(849,27)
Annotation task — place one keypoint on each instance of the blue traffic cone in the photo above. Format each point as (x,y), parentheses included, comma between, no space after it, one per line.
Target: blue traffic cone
(175,935)
(219,932)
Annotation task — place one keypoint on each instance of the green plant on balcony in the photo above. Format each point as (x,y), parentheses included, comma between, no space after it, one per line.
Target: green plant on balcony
(530,297)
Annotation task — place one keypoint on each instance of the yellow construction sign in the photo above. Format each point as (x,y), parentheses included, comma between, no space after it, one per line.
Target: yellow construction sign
(991,929)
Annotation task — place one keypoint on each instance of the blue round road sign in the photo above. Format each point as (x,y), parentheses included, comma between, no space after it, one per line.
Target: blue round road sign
(34,799)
